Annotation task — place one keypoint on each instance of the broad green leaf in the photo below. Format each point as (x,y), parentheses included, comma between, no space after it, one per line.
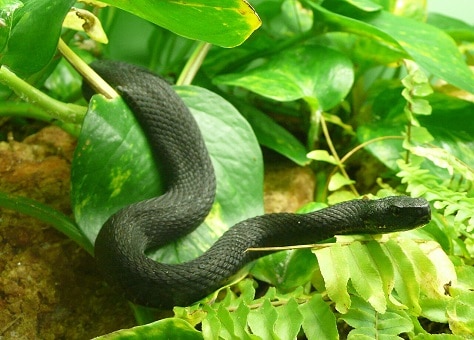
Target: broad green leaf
(442,59)
(102,168)
(314,73)
(373,325)
(8,11)
(36,26)
(284,18)
(113,167)
(335,275)
(365,277)
(152,46)
(413,37)
(297,18)
(225,23)
(163,329)
(273,135)
(457,29)
(319,323)
(365,5)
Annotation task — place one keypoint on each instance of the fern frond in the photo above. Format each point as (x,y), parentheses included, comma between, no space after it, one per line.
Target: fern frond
(420,182)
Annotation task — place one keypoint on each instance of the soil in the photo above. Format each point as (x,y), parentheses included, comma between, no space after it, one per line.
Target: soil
(49,286)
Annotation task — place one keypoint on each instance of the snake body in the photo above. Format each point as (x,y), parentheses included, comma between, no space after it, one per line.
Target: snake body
(177,142)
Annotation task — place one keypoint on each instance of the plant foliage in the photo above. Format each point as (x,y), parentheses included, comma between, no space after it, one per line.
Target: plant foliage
(349,75)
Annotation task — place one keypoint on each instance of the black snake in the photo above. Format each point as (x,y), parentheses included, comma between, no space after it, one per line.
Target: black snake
(176,141)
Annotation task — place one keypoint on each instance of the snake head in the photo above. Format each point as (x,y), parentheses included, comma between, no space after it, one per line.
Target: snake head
(396,213)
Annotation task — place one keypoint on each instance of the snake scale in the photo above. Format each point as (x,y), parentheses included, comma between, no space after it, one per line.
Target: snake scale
(177,143)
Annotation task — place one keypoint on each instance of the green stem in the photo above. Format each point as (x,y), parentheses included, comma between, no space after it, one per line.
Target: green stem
(89,74)
(314,122)
(27,110)
(48,215)
(340,165)
(194,63)
(69,113)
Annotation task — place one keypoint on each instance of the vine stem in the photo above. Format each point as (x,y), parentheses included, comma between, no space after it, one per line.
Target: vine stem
(88,73)
(29,110)
(356,149)
(324,128)
(193,64)
(68,113)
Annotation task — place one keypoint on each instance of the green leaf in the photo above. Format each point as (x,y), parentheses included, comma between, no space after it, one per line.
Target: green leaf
(460,312)
(46,214)
(421,182)
(365,277)
(337,181)
(289,320)
(319,321)
(262,321)
(8,10)
(383,265)
(335,280)
(283,19)
(365,5)
(111,136)
(415,38)
(323,156)
(406,283)
(273,135)
(369,324)
(272,316)
(36,26)
(442,59)
(450,124)
(234,325)
(432,266)
(286,269)
(423,336)
(162,329)
(445,160)
(457,29)
(211,325)
(313,73)
(224,23)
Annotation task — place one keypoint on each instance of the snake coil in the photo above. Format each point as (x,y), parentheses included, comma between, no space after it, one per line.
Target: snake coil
(177,142)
